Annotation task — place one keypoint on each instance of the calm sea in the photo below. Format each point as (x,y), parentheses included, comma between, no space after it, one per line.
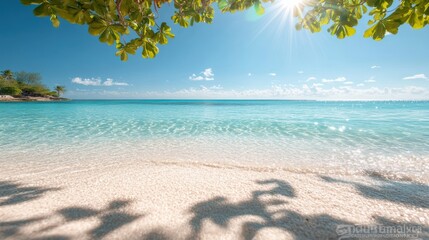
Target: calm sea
(388,137)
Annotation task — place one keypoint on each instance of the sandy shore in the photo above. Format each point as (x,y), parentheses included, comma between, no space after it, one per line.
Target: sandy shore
(7,98)
(143,200)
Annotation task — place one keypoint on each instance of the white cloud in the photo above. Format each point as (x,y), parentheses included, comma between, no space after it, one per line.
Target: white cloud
(416,76)
(249,74)
(97,82)
(194,77)
(338,79)
(315,91)
(273,74)
(375,67)
(286,91)
(370,80)
(109,82)
(311,79)
(348,83)
(214,87)
(86,81)
(300,72)
(360,85)
(206,75)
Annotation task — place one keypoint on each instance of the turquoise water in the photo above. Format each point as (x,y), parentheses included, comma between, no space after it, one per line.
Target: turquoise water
(388,136)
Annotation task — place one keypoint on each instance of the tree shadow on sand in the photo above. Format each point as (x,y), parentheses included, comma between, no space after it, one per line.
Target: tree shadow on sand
(274,214)
(407,193)
(110,218)
(12,193)
(221,212)
(267,208)
(155,234)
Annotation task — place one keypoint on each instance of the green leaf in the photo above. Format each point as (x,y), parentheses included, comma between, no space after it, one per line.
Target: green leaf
(162,39)
(97,27)
(324,18)
(312,25)
(377,31)
(124,56)
(222,4)
(79,18)
(369,32)
(149,50)
(259,9)
(416,20)
(130,48)
(104,20)
(107,36)
(350,31)
(392,26)
(119,28)
(55,21)
(166,30)
(42,10)
(181,20)
(364,9)
(341,31)
(380,4)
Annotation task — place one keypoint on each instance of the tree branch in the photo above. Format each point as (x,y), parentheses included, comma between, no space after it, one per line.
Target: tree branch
(118,8)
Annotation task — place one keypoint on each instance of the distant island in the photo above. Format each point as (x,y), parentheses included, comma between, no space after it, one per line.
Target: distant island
(27,87)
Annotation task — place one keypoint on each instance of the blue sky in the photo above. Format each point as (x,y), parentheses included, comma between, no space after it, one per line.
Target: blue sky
(238,56)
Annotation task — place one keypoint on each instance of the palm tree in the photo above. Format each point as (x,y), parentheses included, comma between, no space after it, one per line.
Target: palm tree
(7,74)
(60,90)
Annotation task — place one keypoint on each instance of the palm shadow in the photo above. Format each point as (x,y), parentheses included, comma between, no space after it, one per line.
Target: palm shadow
(15,193)
(155,234)
(221,212)
(12,228)
(407,193)
(111,217)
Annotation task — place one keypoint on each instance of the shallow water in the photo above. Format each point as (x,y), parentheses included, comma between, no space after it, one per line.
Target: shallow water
(390,137)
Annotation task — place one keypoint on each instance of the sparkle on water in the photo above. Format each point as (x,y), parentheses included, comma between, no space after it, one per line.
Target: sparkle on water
(320,136)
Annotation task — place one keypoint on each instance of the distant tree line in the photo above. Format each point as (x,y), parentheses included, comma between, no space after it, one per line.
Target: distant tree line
(26,84)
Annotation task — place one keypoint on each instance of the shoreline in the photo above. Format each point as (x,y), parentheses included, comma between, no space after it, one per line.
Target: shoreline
(145,200)
(7,98)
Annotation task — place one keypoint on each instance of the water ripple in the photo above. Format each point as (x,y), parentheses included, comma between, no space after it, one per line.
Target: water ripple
(350,134)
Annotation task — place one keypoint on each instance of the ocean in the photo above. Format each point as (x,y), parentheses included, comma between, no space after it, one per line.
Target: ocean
(345,137)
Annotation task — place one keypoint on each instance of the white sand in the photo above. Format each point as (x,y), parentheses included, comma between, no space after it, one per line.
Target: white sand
(142,200)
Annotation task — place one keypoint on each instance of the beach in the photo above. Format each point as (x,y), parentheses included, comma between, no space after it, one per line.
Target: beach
(214,120)
(170,200)
(8,98)
(149,169)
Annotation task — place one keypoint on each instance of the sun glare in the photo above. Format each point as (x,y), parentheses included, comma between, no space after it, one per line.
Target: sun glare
(280,21)
(290,4)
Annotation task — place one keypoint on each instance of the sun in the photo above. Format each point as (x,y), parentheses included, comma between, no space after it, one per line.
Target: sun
(287,10)
(281,19)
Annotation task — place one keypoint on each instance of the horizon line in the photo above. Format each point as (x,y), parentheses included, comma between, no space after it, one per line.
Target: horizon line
(249,99)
